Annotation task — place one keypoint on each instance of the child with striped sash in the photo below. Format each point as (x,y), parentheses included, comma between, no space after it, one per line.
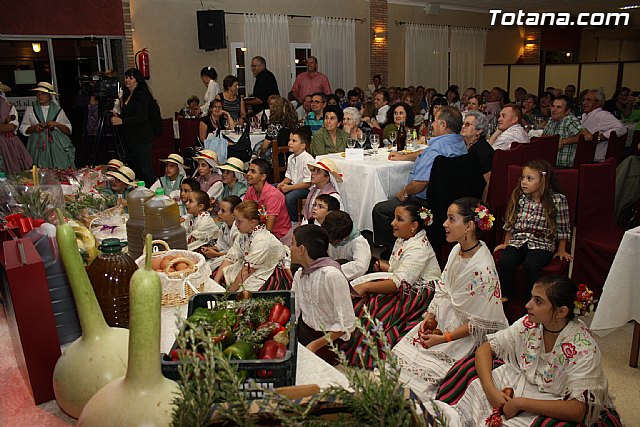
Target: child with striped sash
(466,304)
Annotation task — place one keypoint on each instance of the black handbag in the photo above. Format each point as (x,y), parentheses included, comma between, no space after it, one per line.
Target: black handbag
(242,148)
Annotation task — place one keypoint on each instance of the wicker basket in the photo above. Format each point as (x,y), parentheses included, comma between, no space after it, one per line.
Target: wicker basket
(179,286)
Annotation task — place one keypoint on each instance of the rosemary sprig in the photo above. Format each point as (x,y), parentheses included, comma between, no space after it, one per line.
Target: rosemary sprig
(34,203)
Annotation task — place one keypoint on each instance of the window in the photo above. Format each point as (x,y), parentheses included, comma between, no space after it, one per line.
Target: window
(238,65)
(299,54)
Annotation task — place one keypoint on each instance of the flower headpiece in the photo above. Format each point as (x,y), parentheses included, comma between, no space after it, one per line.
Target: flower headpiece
(483,217)
(584,302)
(426,216)
(263,214)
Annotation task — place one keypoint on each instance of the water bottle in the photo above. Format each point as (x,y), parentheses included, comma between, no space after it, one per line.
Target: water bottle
(6,195)
(62,302)
(110,274)
(135,225)
(162,221)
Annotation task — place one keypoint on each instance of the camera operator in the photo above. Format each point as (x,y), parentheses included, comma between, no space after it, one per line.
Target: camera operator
(138,133)
(98,97)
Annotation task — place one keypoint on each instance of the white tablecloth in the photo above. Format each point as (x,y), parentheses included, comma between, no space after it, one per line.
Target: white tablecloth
(620,300)
(310,368)
(368,182)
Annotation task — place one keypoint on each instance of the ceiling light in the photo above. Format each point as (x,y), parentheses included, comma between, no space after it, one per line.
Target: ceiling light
(632,6)
(36,47)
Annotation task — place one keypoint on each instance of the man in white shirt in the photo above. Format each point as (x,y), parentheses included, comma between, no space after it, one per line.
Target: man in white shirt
(509,128)
(595,119)
(381,102)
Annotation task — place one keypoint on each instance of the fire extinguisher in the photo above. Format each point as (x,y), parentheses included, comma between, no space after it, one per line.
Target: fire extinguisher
(142,62)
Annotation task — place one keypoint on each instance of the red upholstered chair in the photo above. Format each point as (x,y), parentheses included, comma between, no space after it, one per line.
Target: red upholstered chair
(615,147)
(163,145)
(189,132)
(540,148)
(585,150)
(598,236)
(497,191)
(568,181)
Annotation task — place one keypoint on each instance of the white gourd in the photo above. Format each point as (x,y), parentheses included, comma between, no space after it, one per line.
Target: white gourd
(143,397)
(99,356)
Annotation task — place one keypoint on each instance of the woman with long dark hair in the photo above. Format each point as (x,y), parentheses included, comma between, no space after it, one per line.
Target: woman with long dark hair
(137,131)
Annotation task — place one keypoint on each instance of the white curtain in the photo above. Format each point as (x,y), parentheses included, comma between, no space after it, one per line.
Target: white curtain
(268,36)
(467,51)
(333,42)
(608,50)
(425,56)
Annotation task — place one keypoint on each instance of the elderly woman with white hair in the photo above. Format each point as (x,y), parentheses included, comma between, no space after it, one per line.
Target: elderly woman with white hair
(48,129)
(474,131)
(353,124)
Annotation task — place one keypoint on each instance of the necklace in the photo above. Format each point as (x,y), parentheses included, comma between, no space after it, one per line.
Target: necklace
(555,332)
(471,248)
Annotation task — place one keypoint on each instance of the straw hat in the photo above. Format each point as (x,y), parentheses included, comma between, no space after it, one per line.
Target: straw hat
(234,165)
(4,88)
(115,163)
(208,156)
(329,166)
(175,158)
(124,174)
(45,87)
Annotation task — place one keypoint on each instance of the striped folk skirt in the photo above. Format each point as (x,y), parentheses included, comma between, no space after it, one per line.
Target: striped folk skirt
(399,312)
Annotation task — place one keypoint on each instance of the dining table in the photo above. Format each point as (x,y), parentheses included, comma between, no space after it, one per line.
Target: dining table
(368,182)
(256,136)
(620,299)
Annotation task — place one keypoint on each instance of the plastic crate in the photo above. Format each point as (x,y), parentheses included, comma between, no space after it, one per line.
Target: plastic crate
(283,370)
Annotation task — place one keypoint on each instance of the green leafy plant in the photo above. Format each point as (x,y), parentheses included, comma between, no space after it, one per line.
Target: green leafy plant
(34,203)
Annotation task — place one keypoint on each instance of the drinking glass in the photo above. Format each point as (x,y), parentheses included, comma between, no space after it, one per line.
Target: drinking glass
(351,143)
(375,142)
(392,138)
(361,139)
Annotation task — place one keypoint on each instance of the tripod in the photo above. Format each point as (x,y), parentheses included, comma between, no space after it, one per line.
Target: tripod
(121,152)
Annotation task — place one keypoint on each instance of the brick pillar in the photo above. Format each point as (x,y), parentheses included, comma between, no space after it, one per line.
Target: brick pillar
(532,45)
(378,47)
(128,33)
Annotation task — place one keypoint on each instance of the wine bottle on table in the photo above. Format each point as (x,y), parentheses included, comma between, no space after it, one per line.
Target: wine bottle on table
(402,137)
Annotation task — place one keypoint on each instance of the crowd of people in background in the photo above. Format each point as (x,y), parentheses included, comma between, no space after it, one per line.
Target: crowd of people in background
(260,231)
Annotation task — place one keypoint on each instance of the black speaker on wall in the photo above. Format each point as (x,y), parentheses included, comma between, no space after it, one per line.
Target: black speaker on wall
(211,30)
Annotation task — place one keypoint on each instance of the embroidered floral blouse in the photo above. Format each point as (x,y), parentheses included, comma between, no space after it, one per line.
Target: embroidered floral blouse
(413,260)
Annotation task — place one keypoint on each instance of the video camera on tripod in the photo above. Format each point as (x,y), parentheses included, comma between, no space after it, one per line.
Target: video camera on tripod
(105,89)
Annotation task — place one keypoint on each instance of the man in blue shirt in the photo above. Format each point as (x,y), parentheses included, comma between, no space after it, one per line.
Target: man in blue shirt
(447,142)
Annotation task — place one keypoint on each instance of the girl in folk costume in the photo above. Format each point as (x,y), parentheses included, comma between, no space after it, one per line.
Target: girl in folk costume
(228,232)
(199,225)
(187,186)
(256,261)
(15,158)
(537,215)
(48,129)
(174,173)
(233,179)
(466,305)
(552,367)
(208,173)
(347,245)
(325,177)
(398,294)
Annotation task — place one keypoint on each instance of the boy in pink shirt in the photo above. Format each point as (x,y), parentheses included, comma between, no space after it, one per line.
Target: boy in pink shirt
(270,197)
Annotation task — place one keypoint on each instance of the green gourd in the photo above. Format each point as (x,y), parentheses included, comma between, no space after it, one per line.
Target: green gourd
(99,356)
(143,397)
